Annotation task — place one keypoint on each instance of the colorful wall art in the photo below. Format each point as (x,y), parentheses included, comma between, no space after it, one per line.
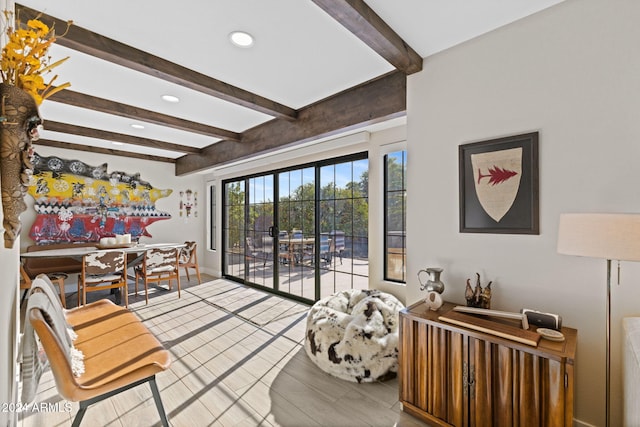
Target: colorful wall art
(76,202)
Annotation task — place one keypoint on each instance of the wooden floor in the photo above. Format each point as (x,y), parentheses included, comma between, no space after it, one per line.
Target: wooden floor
(234,364)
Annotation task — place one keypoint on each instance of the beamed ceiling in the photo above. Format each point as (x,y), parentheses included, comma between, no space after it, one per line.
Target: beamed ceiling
(317,68)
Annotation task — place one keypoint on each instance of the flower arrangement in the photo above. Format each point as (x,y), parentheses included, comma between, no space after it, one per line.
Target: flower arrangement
(24,60)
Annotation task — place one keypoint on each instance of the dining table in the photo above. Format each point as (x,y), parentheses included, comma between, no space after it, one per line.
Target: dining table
(77,253)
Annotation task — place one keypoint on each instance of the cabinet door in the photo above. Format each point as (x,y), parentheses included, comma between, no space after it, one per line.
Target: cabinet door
(511,387)
(458,387)
(444,372)
(433,372)
(406,360)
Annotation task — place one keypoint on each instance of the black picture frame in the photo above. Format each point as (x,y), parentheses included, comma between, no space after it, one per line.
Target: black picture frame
(522,215)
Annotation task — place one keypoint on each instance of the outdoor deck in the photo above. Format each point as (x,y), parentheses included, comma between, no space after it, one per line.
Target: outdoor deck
(298,278)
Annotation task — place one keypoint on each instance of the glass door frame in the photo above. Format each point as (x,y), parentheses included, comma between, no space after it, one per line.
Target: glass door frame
(275,173)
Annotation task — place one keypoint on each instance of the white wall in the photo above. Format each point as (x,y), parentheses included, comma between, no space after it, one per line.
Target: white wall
(571,72)
(8,306)
(9,259)
(382,143)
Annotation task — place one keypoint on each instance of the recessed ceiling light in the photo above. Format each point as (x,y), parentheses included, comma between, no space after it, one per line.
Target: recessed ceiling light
(137,126)
(241,39)
(170,98)
(117,143)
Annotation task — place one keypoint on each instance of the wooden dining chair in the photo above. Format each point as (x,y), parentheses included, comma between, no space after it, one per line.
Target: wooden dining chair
(25,284)
(55,278)
(189,259)
(103,270)
(159,264)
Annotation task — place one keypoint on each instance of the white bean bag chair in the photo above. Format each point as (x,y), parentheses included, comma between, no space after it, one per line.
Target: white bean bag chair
(353,335)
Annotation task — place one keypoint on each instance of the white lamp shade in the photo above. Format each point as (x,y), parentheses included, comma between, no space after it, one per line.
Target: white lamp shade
(600,235)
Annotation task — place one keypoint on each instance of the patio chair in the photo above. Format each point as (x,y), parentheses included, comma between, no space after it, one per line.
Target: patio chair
(338,243)
(259,249)
(285,254)
(326,248)
(159,264)
(251,249)
(267,248)
(189,259)
(103,270)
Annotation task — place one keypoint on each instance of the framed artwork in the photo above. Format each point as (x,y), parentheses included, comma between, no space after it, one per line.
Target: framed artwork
(499,185)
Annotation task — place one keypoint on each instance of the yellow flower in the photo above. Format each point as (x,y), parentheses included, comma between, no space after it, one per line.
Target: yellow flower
(38,25)
(24,58)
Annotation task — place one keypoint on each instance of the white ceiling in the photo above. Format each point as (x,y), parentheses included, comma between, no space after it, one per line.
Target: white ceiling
(301,55)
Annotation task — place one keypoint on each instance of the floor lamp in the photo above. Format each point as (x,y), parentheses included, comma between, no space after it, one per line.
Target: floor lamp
(606,236)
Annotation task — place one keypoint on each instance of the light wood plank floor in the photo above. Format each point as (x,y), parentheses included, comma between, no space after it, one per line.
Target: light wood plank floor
(230,371)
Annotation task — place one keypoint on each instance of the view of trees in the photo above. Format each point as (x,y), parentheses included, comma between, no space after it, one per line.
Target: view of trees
(343,208)
(395,192)
(234,214)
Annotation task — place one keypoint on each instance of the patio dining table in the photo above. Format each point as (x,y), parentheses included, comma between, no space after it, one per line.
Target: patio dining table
(298,248)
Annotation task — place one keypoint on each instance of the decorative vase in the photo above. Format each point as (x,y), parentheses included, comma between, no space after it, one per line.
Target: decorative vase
(19,121)
(433,282)
(434,300)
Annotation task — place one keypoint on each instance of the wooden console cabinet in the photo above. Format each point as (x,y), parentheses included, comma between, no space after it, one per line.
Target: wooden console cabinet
(454,376)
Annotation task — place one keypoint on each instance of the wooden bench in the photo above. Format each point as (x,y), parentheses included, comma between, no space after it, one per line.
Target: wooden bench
(119,353)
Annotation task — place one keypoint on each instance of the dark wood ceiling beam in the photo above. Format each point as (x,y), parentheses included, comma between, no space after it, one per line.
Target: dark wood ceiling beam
(120,153)
(362,21)
(81,100)
(369,103)
(88,42)
(117,137)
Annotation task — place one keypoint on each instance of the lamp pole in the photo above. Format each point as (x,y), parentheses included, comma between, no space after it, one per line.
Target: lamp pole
(608,334)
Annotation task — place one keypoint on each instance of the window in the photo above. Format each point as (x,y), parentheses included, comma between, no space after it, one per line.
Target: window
(395,207)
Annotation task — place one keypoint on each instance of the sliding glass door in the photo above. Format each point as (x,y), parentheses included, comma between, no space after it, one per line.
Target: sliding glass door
(344,225)
(248,221)
(259,245)
(234,229)
(297,232)
(302,231)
